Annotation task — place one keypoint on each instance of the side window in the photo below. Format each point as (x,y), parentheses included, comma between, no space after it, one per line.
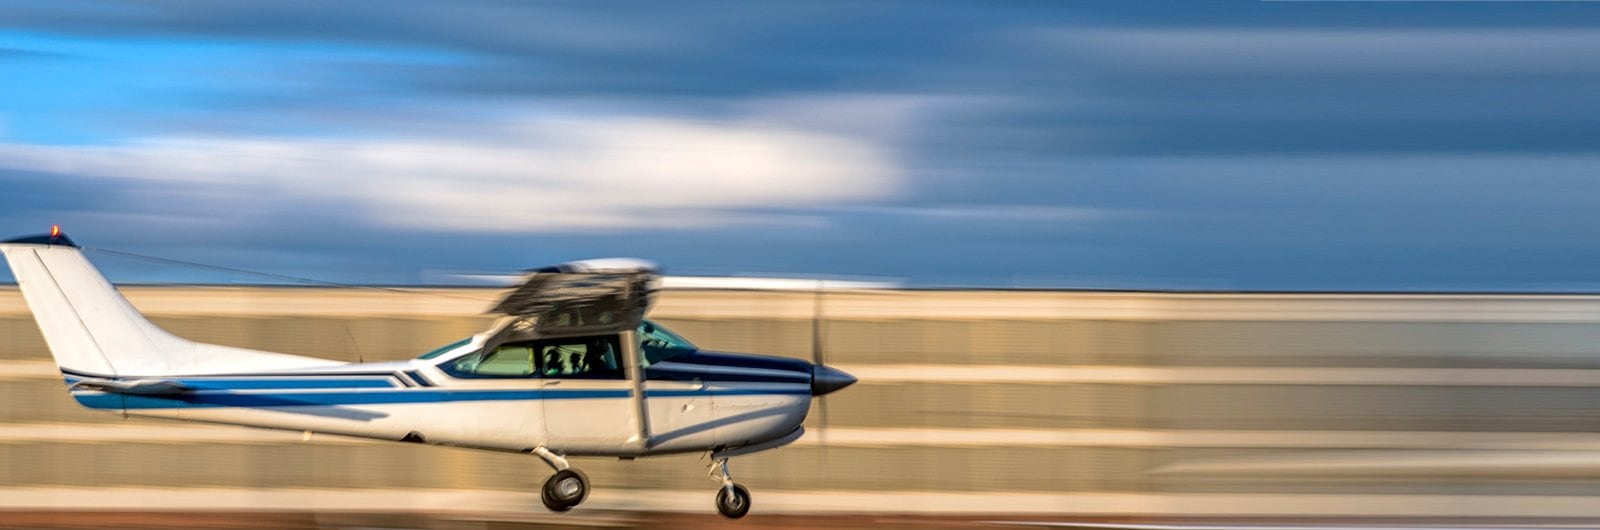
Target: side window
(507,360)
(582,358)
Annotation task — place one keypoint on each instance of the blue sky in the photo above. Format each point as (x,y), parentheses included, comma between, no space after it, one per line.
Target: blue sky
(1132,145)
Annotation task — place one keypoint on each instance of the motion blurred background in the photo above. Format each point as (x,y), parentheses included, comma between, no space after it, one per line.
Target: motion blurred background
(1159,259)
(972,404)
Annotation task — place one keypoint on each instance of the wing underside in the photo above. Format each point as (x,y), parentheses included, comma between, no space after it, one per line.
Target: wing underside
(591,297)
(133,387)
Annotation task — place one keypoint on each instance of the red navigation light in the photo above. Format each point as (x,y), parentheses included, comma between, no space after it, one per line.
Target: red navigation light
(55,230)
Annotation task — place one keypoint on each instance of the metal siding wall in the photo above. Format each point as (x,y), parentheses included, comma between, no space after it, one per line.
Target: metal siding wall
(1132,437)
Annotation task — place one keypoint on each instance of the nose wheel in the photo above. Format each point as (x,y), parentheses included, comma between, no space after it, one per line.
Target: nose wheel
(565,489)
(733,500)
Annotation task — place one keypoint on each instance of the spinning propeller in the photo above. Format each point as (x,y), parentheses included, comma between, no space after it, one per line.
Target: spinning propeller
(824,380)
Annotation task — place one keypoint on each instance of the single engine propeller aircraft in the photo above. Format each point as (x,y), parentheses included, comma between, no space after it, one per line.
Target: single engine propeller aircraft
(571,368)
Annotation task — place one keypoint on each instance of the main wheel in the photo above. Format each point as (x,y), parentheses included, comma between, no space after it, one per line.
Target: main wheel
(733,502)
(565,489)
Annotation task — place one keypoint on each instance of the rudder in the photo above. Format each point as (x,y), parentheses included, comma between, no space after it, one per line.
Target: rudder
(92,329)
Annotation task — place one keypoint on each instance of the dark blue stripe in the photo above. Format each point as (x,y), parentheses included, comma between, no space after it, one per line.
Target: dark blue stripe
(725,392)
(667,374)
(736,360)
(419,378)
(60,239)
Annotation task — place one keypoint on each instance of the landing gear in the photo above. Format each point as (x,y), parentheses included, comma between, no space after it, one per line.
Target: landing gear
(565,489)
(733,500)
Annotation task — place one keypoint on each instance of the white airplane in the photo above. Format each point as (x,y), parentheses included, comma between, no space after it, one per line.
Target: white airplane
(572,368)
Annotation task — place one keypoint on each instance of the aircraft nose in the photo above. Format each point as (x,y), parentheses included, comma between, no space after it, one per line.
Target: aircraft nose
(825,380)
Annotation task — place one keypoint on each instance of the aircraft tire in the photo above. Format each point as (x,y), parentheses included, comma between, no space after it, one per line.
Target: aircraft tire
(565,489)
(733,502)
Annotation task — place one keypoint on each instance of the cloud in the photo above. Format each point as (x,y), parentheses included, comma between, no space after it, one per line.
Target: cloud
(489,26)
(1407,51)
(7,54)
(535,174)
(1003,213)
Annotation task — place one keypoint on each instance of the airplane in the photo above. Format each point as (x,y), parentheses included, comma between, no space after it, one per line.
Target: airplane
(570,368)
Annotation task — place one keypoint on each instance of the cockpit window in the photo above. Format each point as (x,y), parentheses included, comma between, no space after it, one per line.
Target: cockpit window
(445,349)
(595,357)
(658,344)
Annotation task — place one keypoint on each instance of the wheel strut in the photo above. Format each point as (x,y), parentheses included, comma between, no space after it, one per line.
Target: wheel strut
(721,464)
(555,461)
(733,499)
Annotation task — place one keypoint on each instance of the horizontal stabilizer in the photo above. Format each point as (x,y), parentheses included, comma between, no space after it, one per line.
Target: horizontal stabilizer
(135,387)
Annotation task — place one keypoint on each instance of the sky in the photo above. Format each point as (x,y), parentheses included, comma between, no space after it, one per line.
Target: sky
(1207,145)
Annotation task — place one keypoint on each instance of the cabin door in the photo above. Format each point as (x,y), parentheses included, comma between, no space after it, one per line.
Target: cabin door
(587,397)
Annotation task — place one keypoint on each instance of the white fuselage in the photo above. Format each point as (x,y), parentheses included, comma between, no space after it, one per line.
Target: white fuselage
(416,401)
(581,384)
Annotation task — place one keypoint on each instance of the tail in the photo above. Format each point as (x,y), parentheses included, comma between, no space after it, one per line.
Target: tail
(93,331)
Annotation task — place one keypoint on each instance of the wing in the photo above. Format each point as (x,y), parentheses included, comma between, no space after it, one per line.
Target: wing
(584,297)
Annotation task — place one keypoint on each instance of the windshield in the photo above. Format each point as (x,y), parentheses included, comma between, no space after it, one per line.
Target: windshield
(658,344)
(445,349)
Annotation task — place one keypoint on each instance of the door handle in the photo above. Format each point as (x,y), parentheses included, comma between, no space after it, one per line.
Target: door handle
(552,382)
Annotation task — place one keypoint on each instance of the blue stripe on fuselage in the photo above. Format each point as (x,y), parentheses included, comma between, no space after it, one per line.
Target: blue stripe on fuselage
(275,384)
(654,373)
(726,392)
(322,399)
(259,384)
(730,368)
(215,399)
(417,376)
(736,360)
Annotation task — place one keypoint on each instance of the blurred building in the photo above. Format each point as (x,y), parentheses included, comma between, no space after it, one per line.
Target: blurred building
(969,401)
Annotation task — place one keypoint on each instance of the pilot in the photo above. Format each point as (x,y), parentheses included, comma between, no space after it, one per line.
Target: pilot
(552,361)
(606,354)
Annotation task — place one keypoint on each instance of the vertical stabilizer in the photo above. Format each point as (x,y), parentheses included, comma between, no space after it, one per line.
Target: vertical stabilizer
(92,329)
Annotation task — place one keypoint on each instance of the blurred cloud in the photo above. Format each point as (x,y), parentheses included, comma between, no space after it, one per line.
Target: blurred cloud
(534,174)
(484,26)
(1343,145)
(1337,52)
(7,54)
(1003,213)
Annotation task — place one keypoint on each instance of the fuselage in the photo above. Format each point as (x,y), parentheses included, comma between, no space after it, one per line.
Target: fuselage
(571,368)
(472,394)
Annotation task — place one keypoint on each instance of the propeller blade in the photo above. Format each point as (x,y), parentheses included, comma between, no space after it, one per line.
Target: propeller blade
(822,432)
(816,326)
(819,359)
